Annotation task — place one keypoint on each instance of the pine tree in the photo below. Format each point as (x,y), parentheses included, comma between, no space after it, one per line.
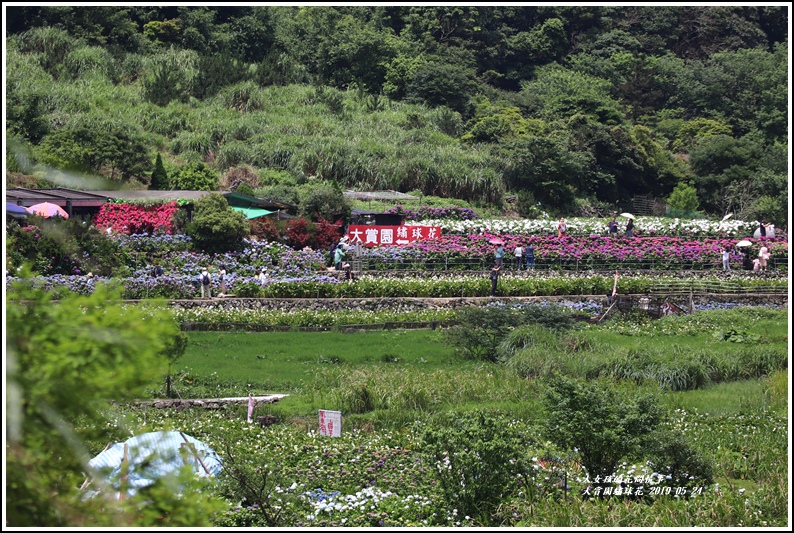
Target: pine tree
(159,179)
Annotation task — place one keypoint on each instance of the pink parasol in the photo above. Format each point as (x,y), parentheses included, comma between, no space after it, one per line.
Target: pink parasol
(47,210)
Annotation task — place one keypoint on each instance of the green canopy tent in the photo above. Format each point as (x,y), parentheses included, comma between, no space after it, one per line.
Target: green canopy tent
(253,212)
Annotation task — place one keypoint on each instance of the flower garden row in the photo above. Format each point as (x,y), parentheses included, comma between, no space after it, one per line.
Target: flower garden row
(180,286)
(665,252)
(643,226)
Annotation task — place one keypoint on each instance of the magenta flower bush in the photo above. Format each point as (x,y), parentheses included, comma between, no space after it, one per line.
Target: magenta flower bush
(596,248)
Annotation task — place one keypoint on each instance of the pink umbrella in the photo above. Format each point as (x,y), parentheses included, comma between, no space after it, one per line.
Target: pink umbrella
(496,240)
(47,210)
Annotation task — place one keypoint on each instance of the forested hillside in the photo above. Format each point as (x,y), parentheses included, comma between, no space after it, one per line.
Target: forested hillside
(561,107)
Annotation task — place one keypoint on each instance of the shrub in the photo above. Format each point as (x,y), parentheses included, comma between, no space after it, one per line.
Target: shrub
(480,330)
(677,462)
(267,229)
(195,177)
(327,233)
(216,227)
(603,424)
(478,459)
(300,233)
(245,189)
(324,201)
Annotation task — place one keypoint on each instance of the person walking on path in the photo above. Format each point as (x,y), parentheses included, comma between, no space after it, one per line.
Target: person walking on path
(519,255)
(206,283)
(613,227)
(494,279)
(562,228)
(529,253)
(500,254)
(630,228)
(726,258)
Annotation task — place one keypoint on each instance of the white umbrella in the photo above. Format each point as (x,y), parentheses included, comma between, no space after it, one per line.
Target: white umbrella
(744,243)
(627,215)
(726,217)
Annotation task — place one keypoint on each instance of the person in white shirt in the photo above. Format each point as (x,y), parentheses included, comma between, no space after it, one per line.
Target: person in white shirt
(726,258)
(519,254)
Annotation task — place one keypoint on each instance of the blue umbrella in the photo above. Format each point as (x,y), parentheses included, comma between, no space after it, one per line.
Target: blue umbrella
(16,210)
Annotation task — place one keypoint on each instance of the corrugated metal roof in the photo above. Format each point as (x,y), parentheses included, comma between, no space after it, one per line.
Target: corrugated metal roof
(59,196)
(378,195)
(154,195)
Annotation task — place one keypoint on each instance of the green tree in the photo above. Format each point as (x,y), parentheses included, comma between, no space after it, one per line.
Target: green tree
(159,180)
(324,201)
(693,131)
(560,93)
(546,167)
(66,361)
(357,53)
(216,227)
(195,177)
(442,84)
(684,198)
(118,153)
(545,43)
(163,32)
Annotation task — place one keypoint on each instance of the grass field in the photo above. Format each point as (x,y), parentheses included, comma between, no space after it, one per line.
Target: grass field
(419,369)
(390,384)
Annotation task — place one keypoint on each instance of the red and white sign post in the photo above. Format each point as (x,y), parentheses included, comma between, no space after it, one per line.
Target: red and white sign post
(330,423)
(370,236)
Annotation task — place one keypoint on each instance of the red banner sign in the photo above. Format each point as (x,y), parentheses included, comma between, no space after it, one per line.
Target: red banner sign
(391,235)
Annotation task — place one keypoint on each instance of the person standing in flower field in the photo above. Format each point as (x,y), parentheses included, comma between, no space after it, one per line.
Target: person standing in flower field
(339,256)
(762,227)
(494,279)
(205,280)
(630,228)
(562,228)
(529,253)
(613,227)
(222,275)
(262,278)
(500,254)
(519,255)
(726,258)
(763,257)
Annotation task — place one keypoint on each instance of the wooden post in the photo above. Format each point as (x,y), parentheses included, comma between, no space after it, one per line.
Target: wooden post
(124,462)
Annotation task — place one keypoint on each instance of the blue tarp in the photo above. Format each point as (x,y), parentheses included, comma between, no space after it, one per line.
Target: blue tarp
(152,456)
